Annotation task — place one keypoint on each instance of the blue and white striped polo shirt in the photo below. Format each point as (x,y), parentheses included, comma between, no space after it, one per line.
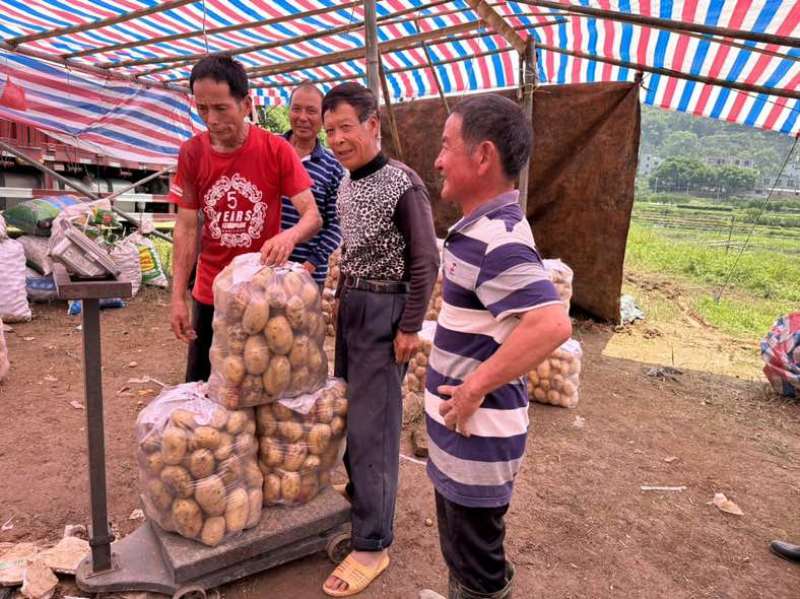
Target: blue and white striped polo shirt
(326,173)
(492,273)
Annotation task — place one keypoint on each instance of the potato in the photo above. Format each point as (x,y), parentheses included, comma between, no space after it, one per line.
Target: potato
(213,531)
(339,388)
(237,422)
(245,444)
(255,499)
(319,437)
(539,394)
(250,426)
(262,278)
(330,457)
(294,456)
(159,494)
(534,378)
(151,442)
(290,486)
(316,327)
(296,313)
(337,426)
(252,474)
(281,412)
(251,391)
(278,376)
(217,353)
(310,294)
(218,419)
(225,449)
(300,380)
(323,409)
(312,463)
(188,518)
(239,300)
(279,335)
(272,488)
(290,430)
(309,487)
(545,384)
(271,452)
(266,425)
(153,463)
(543,370)
(340,406)
(210,495)
(226,393)
(569,389)
(293,283)
(237,337)
(575,366)
(554,397)
(178,481)
(256,354)
(233,369)
(230,470)
(206,437)
(236,510)
(324,479)
(201,463)
(277,297)
(316,359)
(174,443)
(183,419)
(255,316)
(298,356)
(557,382)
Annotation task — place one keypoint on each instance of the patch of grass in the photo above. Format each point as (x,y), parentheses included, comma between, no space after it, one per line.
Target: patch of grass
(740,317)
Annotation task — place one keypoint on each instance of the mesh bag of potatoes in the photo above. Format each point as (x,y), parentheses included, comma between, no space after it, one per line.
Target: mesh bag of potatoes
(329,292)
(268,334)
(415,377)
(556,380)
(561,276)
(435,304)
(300,440)
(198,465)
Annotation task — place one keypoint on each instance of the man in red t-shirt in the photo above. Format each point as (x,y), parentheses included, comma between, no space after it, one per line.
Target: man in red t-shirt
(235,174)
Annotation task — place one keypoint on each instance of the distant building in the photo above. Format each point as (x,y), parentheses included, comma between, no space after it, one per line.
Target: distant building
(648,163)
(730,161)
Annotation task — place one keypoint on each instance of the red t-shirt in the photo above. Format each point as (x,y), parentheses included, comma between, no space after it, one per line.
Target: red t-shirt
(239,194)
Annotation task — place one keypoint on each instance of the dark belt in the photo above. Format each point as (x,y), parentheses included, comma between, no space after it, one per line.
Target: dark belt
(375,286)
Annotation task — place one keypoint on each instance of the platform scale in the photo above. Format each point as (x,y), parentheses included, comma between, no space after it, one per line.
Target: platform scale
(151,559)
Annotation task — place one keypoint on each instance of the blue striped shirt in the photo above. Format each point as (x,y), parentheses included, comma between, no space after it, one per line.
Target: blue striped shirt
(326,174)
(492,274)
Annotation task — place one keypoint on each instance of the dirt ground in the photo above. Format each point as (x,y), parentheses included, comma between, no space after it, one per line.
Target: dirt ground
(579,524)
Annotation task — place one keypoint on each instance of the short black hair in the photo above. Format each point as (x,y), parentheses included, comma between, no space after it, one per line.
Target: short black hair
(222,69)
(490,117)
(307,84)
(356,95)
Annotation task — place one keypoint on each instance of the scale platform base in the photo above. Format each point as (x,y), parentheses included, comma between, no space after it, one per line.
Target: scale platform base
(150,559)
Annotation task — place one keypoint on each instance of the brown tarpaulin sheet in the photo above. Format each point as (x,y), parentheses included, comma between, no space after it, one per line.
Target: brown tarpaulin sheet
(586,142)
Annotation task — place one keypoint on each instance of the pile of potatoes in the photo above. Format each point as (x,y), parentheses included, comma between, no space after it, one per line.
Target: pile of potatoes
(561,276)
(300,441)
(435,305)
(417,365)
(329,292)
(197,465)
(556,380)
(268,334)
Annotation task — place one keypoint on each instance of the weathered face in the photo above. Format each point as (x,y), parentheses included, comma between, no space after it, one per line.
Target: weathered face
(223,114)
(353,143)
(455,162)
(305,114)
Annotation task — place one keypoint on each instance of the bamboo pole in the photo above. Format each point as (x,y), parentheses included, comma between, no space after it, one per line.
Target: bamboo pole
(143,12)
(216,31)
(529,84)
(746,87)
(434,73)
(493,19)
(266,45)
(371,48)
(92,70)
(669,24)
(387,100)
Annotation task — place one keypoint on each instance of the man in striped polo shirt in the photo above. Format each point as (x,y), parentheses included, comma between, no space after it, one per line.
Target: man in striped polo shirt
(501,316)
(305,117)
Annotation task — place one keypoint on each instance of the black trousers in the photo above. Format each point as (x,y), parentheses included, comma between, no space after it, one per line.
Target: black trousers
(471,539)
(198,365)
(365,331)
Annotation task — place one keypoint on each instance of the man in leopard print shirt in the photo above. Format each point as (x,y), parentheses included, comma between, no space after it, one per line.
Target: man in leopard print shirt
(389,265)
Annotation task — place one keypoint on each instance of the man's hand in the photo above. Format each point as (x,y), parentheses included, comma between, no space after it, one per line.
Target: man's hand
(405,345)
(309,267)
(179,321)
(463,403)
(276,250)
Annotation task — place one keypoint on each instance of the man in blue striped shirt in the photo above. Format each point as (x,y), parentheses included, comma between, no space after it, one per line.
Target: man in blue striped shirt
(305,117)
(500,317)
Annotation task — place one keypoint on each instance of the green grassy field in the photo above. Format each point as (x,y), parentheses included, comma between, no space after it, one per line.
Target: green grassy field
(764,284)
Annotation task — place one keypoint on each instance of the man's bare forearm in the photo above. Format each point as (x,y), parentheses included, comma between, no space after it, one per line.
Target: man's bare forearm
(184,257)
(538,335)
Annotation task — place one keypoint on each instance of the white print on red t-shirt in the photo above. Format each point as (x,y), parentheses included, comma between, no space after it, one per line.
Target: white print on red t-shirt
(234,211)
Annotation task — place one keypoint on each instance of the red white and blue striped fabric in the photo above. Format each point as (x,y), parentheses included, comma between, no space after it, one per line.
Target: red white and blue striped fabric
(488,61)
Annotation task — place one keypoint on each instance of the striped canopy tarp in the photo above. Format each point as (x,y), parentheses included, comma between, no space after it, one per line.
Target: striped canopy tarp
(737,60)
